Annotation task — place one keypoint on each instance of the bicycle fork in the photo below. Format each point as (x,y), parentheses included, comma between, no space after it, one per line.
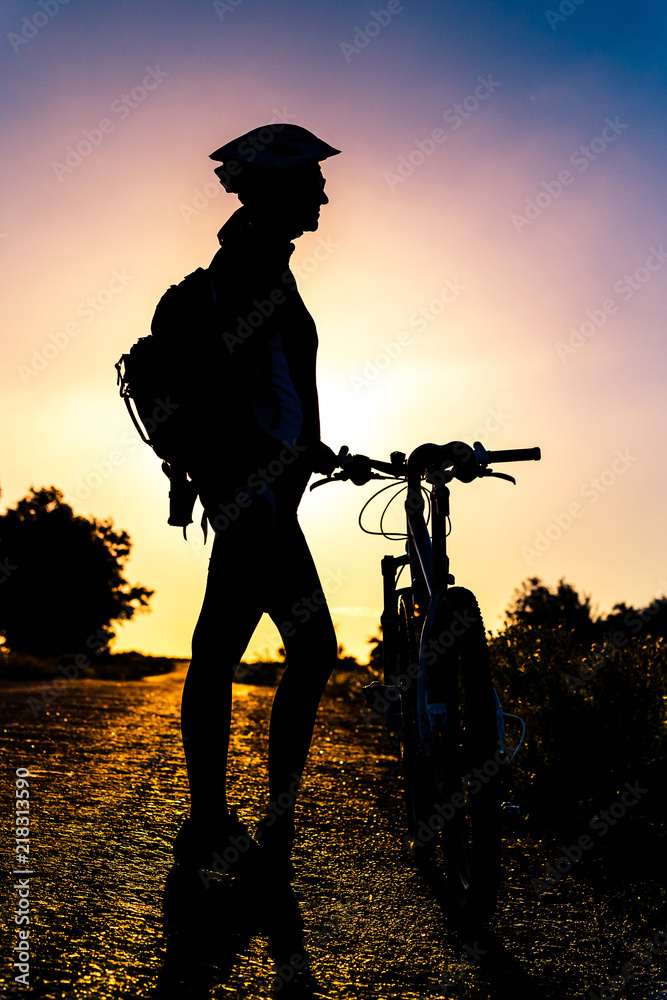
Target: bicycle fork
(384,697)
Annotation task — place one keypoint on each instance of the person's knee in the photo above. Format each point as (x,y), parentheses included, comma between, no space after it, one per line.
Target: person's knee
(313,647)
(328,651)
(332,648)
(317,633)
(202,640)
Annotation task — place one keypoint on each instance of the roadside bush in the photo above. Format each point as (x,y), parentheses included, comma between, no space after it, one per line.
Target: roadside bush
(595,718)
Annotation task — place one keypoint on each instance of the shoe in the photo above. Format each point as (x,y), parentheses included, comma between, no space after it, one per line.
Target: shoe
(226,850)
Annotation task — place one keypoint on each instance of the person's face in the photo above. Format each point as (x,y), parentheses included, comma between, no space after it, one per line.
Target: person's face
(302,198)
(292,202)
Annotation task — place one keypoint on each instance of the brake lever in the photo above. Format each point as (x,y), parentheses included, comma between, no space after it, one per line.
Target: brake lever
(342,476)
(329,479)
(343,459)
(499,475)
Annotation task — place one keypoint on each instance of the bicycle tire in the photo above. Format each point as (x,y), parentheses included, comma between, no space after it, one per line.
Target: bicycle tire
(468,759)
(416,766)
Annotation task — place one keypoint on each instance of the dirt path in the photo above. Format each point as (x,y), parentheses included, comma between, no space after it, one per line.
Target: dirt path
(108,790)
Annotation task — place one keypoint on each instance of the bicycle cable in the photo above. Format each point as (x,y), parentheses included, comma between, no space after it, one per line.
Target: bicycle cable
(398,575)
(370,500)
(394,535)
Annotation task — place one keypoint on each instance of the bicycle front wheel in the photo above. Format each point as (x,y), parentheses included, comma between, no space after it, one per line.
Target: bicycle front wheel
(468,758)
(416,764)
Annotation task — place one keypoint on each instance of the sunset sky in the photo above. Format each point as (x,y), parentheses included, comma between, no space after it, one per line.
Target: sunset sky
(498,205)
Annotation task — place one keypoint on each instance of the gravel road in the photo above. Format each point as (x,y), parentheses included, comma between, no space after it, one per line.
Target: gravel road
(111,918)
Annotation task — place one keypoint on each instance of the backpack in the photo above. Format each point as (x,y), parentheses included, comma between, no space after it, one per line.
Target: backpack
(159,376)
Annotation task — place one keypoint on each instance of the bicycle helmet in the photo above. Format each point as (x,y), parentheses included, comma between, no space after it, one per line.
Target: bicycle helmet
(269,147)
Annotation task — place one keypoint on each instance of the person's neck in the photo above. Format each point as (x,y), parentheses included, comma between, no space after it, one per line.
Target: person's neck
(257,232)
(271,229)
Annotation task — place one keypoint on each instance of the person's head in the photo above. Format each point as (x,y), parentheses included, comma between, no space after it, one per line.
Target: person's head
(275,172)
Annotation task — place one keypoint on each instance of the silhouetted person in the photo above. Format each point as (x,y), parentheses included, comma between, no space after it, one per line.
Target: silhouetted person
(259,391)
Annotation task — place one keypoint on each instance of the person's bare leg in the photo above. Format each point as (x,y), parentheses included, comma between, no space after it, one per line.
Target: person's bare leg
(311,649)
(225,625)
(311,657)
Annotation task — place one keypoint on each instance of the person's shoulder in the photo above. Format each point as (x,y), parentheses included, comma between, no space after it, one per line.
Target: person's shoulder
(235,230)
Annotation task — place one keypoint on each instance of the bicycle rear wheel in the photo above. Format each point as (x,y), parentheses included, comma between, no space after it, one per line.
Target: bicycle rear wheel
(468,759)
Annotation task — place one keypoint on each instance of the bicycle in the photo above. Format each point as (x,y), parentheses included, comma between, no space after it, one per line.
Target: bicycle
(438,697)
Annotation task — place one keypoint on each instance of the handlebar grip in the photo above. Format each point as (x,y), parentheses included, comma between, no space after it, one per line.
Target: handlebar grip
(515,455)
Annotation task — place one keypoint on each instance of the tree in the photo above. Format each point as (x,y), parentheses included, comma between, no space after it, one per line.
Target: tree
(375,657)
(649,621)
(61,578)
(535,604)
(655,617)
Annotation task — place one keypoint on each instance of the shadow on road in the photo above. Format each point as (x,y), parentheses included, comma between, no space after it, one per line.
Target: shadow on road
(207,927)
(483,951)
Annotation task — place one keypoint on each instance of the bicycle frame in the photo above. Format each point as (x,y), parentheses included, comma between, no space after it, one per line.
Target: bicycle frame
(429,567)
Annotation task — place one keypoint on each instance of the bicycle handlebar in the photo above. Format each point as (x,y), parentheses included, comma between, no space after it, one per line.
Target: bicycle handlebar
(515,455)
(466,462)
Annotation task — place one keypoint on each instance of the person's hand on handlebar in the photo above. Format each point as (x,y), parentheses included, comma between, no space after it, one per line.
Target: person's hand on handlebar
(323,459)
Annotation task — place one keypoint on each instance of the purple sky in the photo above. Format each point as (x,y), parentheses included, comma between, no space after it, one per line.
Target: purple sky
(491,264)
